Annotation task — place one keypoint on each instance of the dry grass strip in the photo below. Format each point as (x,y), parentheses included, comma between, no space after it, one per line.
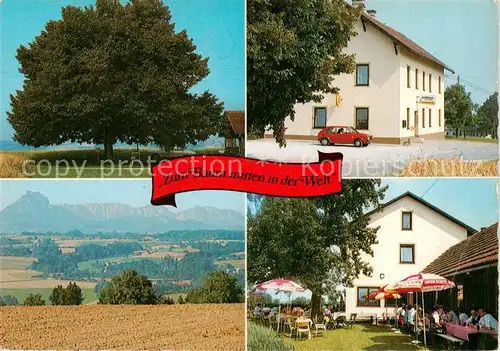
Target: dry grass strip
(450,168)
(11,165)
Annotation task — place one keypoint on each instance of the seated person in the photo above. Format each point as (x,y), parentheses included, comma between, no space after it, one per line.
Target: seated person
(256,310)
(341,130)
(487,321)
(435,318)
(452,317)
(327,311)
(473,319)
(462,316)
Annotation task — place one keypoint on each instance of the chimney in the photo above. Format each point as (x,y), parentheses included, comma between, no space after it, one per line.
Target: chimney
(372,13)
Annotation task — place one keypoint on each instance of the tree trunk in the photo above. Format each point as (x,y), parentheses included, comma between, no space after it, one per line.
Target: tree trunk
(108,147)
(315,305)
(456,132)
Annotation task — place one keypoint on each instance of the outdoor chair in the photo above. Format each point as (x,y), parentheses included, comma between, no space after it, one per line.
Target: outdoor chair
(340,322)
(273,322)
(352,320)
(290,325)
(303,328)
(319,326)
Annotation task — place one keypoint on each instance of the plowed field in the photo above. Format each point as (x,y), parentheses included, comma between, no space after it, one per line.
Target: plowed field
(132,327)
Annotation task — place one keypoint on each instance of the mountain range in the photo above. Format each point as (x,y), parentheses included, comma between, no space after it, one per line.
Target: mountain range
(33,212)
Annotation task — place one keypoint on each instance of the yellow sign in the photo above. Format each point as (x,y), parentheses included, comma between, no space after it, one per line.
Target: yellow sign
(338,100)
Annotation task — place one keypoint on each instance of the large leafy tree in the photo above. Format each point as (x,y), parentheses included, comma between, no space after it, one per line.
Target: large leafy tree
(109,73)
(488,116)
(221,287)
(319,242)
(458,108)
(294,50)
(129,288)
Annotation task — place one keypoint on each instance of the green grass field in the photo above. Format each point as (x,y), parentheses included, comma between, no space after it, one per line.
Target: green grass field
(21,294)
(477,139)
(85,163)
(236,263)
(90,265)
(360,337)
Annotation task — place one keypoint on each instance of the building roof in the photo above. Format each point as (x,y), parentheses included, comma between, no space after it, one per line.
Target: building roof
(236,121)
(478,249)
(401,39)
(469,229)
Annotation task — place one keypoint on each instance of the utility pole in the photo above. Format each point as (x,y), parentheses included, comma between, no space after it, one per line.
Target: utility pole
(458,79)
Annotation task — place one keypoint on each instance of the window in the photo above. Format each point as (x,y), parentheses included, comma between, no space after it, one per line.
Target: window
(404,124)
(423,81)
(430,83)
(408,71)
(407,253)
(430,118)
(363,300)
(416,78)
(390,302)
(407,118)
(319,117)
(362,75)
(440,118)
(406,220)
(331,130)
(361,118)
(423,118)
(439,84)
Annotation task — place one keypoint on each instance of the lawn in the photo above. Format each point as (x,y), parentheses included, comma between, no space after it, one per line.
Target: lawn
(477,139)
(85,163)
(360,337)
(21,294)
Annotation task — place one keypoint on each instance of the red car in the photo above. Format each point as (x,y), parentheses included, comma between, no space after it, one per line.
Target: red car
(332,135)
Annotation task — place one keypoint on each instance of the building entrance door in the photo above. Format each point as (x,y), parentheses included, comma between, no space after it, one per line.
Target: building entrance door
(415,124)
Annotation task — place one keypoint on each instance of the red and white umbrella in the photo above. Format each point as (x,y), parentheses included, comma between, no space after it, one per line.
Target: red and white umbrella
(280,284)
(382,293)
(421,283)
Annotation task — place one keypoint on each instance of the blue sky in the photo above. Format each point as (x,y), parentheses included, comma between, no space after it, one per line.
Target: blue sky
(133,192)
(461,33)
(471,200)
(217,28)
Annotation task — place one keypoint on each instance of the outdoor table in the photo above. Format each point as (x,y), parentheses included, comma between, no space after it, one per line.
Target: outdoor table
(463,332)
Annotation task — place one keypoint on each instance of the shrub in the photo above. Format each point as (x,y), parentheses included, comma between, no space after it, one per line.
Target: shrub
(8,300)
(34,300)
(264,339)
(166,300)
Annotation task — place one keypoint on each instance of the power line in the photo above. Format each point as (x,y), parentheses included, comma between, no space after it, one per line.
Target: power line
(469,84)
(437,180)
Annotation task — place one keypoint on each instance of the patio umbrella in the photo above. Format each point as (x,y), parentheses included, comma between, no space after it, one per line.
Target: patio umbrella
(280,285)
(420,283)
(381,294)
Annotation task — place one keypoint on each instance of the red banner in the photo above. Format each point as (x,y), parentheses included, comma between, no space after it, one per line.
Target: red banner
(222,172)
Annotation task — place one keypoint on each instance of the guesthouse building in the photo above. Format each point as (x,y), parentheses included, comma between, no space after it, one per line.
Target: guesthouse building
(395,94)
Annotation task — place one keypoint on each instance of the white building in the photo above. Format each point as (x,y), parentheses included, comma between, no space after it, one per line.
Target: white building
(412,234)
(396,92)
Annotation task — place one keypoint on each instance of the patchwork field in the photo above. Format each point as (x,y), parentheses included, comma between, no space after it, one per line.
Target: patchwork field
(186,327)
(17,281)
(236,263)
(21,294)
